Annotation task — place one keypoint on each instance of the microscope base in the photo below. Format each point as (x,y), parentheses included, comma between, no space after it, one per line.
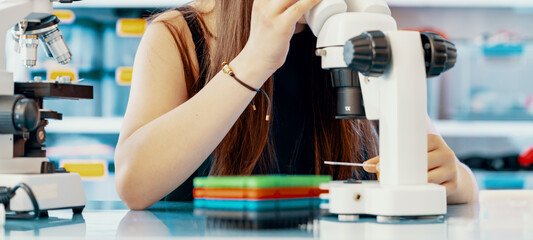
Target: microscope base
(372,198)
(52,191)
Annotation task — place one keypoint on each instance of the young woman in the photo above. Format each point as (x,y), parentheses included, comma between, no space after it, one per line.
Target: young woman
(183,109)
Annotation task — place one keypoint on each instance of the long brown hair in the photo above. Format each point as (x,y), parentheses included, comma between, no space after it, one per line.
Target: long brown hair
(247,148)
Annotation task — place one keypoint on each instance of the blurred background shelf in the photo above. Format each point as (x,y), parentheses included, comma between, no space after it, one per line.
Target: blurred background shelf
(123,4)
(394,3)
(85,125)
(449,128)
(461,3)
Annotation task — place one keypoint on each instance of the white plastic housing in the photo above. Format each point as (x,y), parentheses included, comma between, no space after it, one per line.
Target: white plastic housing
(381,200)
(53,191)
(24,165)
(340,28)
(2,216)
(6,88)
(368,6)
(317,16)
(402,112)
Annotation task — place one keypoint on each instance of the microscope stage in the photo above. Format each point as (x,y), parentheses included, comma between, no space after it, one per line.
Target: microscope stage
(53,90)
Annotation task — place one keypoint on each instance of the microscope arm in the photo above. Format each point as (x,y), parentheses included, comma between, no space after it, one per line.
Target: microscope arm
(368,6)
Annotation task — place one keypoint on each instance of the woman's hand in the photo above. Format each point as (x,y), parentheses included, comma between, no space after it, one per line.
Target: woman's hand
(272,27)
(442,164)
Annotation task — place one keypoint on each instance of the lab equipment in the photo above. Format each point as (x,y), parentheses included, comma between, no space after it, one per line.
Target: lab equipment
(258,193)
(23,160)
(350,164)
(380,73)
(260,201)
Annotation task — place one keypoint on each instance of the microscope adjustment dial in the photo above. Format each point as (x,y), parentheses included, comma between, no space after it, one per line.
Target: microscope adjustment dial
(439,53)
(368,53)
(18,114)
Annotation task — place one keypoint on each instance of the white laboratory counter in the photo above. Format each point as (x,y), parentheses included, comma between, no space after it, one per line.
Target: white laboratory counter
(499,215)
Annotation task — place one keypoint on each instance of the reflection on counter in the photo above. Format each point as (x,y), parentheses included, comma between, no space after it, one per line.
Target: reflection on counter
(499,215)
(330,228)
(52,227)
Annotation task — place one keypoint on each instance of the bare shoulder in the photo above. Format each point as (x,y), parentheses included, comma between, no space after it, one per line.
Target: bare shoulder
(173,17)
(170,22)
(166,32)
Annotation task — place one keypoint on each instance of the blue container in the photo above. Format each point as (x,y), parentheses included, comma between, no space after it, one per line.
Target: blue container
(258,205)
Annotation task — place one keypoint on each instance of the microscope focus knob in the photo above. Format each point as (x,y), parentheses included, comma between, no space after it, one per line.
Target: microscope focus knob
(439,53)
(18,114)
(368,53)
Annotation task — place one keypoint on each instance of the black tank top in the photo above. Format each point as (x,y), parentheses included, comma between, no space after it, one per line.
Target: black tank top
(291,130)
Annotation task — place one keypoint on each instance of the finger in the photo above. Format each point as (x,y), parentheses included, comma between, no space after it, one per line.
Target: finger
(442,156)
(440,175)
(279,6)
(373,161)
(436,159)
(451,186)
(298,9)
(434,142)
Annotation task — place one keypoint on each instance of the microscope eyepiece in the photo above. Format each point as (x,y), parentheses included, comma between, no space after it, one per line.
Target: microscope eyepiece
(348,94)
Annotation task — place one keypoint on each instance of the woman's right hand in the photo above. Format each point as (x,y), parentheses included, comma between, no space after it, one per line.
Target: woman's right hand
(271,29)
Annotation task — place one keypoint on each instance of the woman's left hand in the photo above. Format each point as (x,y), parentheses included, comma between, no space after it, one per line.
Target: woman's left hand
(442,164)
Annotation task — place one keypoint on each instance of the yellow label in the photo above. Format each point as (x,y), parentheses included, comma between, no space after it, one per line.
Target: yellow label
(66,16)
(53,74)
(86,168)
(123,76)
(131,27)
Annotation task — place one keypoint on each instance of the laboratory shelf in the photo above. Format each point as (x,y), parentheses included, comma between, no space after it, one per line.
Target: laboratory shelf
(462,3)
(486,129)
(393,3)
(503,179)
(447,128)
(123,4)
(86,125)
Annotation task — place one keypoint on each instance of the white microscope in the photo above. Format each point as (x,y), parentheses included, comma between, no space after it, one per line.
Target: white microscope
(29,182)
(380,73)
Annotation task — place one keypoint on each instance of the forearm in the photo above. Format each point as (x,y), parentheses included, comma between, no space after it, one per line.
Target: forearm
(162,154)
(467,188)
